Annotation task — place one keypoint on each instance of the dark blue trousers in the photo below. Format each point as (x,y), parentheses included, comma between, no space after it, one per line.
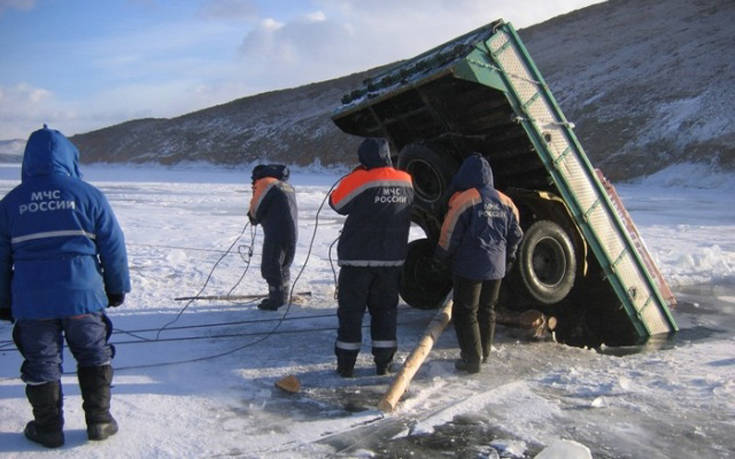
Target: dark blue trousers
(41,343)
(473,314)
(374,289)
(275,267)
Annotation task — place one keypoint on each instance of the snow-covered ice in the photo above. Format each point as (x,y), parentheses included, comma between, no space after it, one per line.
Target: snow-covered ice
(672,398)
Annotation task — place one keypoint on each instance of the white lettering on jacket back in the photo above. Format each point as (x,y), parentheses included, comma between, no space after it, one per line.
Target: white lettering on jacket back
(46,201)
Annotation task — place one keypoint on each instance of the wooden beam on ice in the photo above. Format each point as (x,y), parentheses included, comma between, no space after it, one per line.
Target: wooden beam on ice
(417,357)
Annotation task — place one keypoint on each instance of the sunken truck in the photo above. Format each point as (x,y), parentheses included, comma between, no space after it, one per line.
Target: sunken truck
(581,260)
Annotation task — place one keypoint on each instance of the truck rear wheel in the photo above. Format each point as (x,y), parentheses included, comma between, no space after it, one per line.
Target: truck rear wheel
(421,287)
(547,262)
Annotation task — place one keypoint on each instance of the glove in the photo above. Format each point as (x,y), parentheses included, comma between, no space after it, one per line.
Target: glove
(115,299)
(7,315)
(509,262)
(252,219)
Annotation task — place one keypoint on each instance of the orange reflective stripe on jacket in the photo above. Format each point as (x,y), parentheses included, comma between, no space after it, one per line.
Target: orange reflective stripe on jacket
(458,203)
(363,179)
(260,189)
(509,202)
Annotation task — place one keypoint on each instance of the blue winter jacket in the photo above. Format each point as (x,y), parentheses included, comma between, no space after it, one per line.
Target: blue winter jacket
(377,201)
(61,248)
(481,228)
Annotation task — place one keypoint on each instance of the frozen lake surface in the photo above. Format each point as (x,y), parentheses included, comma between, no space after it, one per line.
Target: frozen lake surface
(672,398)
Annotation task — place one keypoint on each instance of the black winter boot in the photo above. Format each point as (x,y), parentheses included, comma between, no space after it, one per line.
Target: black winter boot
(383,359)
(276,298)
(95,385)
(346,363)
(487,336)
(382,369)
(470,348)
(267,305)
(467,365)
(47,402)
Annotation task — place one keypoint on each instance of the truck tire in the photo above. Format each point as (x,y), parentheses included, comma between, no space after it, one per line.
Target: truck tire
(546,262)
(432,171)
(421,287)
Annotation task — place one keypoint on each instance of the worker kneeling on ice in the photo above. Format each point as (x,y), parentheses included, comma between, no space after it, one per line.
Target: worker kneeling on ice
(273,205)
(372,248)
(479,236)
(62,261)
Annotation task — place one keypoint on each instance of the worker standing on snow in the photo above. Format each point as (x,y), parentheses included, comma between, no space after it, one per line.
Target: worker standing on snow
(372,248)
(62,261)
(274,206)
(480,235)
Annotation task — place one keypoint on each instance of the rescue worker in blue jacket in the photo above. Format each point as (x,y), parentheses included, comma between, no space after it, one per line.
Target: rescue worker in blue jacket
(479,237)
(372,248)
(273,205)
(62,262)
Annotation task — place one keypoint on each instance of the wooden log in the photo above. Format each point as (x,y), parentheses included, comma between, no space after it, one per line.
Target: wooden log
(526,319)
(417,357)
(535,322)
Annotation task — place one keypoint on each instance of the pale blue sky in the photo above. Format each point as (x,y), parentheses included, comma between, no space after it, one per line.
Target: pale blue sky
(80,65)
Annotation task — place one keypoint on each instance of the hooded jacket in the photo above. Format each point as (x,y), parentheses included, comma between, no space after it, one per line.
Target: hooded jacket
(61,248)
(273,205)
(377,201)
(481,229)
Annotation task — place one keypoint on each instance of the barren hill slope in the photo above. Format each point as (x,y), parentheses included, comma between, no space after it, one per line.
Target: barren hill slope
(648,83)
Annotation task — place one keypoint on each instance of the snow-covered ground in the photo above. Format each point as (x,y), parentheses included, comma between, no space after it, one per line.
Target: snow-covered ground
(669,399)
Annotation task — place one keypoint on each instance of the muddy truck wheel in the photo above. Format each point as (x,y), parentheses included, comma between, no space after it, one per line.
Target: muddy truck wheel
(547,264)
(421,286)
